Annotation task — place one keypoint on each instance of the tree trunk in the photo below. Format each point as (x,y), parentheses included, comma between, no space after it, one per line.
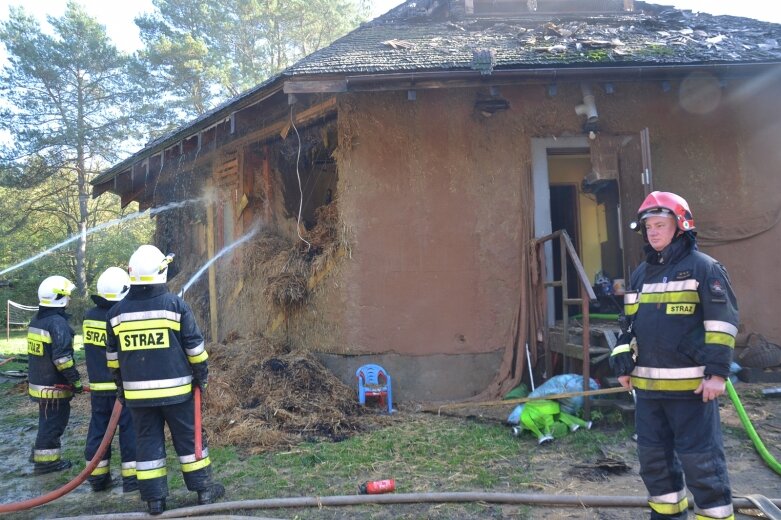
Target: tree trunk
(81,172)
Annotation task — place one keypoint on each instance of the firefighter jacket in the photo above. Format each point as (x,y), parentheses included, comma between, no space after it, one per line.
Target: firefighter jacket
(158,349)
(101,380)
(684,318)
(50,355)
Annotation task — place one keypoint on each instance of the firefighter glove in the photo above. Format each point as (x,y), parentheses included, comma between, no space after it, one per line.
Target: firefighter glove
(622,359)
(78,388)
(201,376)
(120,388)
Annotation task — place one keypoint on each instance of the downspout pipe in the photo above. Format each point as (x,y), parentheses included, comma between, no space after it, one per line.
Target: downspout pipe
(588,108)
(406,498)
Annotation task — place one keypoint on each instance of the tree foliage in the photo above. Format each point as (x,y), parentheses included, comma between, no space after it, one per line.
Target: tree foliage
(200,53)
(33,220)
(69,101)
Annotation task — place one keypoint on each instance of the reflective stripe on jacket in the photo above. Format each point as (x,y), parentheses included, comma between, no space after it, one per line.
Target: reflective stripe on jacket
(154,341)
(50,355)
(684,318)
(94,328)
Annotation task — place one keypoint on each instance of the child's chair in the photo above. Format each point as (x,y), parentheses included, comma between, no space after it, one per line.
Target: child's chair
(374,381)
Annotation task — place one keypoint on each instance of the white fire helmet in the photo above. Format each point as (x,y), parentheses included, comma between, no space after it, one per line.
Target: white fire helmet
(113,284)
(148,265)
(55,291)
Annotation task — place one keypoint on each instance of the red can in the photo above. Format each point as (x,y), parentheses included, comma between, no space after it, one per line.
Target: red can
(376,487)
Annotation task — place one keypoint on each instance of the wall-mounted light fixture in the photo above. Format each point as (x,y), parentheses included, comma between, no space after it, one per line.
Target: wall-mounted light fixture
(488,104)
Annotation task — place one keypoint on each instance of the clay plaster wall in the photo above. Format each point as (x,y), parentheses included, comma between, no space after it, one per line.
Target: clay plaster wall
(435,196)
(435,202)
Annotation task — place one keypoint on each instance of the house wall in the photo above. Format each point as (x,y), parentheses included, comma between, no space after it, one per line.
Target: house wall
(434,195)
(436,205)
(436,200)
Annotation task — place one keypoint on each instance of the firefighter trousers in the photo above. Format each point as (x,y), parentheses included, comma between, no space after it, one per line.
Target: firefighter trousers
(102,406)
(679,438)
(53,416)
(149,423)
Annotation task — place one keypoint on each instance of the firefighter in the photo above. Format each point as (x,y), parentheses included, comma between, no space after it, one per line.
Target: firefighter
(52,374)
(112,286)
(676,355)
(158,354)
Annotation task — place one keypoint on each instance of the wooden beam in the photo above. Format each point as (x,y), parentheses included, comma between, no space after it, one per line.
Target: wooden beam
(552,397)
(315,86)
(213,322)
(262,134)
(267,132)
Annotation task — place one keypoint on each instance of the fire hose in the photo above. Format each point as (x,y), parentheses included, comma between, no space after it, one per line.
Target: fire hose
(81,477)
(768,506)
(92,464)
(752,433)
(197,426)
(579,501)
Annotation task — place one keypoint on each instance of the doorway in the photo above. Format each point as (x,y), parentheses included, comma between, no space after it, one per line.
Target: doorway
(588,211)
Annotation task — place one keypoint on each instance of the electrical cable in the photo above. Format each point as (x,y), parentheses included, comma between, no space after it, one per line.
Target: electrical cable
(298,176)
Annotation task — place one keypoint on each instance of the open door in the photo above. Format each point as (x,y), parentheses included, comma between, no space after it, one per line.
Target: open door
(627,160)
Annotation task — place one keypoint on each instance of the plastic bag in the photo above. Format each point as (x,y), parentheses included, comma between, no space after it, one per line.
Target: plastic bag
(561,384)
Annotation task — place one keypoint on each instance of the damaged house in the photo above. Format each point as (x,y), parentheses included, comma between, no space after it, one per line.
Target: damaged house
(398,189)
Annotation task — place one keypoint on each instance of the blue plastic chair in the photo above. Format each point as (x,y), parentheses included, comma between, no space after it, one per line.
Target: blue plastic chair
(374,381)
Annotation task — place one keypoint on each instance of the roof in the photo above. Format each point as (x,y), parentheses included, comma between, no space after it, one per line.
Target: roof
(445,39)
(433,35)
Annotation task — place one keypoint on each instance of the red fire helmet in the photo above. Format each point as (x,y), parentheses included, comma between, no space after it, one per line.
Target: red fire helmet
(659,203)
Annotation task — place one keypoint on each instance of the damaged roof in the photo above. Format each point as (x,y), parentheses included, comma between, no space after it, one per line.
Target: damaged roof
(436,35)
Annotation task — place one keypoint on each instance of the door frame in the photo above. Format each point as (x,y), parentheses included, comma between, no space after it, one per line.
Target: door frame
(542,211)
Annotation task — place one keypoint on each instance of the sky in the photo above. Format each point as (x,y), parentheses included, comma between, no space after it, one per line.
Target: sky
(118,16)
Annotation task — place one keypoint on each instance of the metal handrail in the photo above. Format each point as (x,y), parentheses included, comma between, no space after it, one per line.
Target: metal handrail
(568,250)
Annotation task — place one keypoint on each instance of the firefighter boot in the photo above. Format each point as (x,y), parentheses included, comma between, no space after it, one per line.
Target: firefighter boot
(211,494)
(41,468)
(156,507)
(129,484)
(101,483)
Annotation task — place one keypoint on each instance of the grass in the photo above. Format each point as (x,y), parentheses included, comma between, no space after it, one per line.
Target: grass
(16,346)
(424,453)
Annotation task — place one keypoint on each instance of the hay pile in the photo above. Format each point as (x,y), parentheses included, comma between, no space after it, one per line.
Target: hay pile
(287,267)
(262,396)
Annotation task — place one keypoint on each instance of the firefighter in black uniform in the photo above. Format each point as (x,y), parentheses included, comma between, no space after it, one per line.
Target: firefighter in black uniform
(676,356)
(158,354)
(112,286)
(52,375)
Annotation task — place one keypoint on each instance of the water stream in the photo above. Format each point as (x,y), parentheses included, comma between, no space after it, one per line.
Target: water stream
(222,252)
(100,227)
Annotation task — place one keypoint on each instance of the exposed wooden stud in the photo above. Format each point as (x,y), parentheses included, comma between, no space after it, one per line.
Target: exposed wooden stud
(210,251)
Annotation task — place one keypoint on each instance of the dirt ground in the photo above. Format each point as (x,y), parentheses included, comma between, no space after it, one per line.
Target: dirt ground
(557,473)
(280,421)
